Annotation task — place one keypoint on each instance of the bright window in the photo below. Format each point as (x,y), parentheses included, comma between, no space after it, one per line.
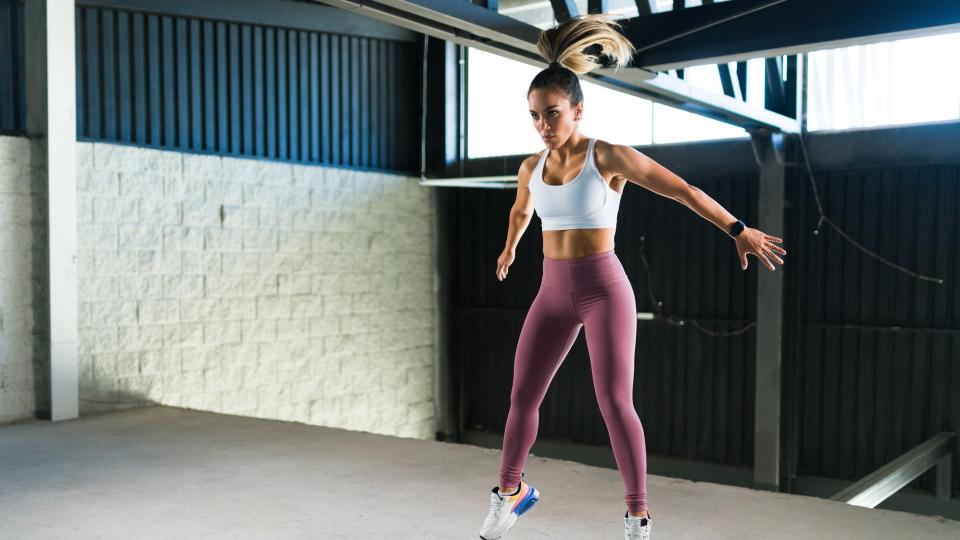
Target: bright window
(672,125)
(498,116)
(896,82)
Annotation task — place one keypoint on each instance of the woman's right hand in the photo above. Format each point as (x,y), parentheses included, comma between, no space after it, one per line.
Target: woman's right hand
(503,263)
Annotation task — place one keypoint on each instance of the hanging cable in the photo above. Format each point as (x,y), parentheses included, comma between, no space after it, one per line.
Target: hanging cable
(828,221)
(676,319)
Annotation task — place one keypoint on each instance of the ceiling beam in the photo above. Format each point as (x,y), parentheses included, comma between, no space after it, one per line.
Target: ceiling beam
(646,7)
(564,10)
(726,81)
(598,6)
(475,26)
(724,32)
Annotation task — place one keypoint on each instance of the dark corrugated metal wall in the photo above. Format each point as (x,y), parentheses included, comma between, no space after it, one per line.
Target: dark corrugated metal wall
(856,393)
(873,352)
(249,90)
(235,89)
(12,109)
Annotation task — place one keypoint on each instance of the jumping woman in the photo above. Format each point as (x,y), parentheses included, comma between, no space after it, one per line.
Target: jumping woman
(575,185)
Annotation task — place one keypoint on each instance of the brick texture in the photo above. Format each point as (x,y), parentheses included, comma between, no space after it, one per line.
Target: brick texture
(239,286)
(22,263)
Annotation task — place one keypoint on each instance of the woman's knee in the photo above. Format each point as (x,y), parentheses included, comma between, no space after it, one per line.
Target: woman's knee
(524,399)
(616,406)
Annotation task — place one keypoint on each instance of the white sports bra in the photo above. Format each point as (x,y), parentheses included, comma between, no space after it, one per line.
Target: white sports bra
(586,202)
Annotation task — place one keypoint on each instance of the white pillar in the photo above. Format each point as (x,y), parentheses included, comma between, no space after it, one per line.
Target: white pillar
(51,119)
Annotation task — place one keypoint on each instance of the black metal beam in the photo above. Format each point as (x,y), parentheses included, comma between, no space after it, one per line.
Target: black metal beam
(564,10)
(646,7)
(726,81)
(598,6)
(794,86)
(443,106)
(776,92)
(742,78)
(679,5)
(783,28)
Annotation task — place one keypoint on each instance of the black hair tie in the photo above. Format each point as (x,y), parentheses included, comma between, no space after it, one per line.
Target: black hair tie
(555,64)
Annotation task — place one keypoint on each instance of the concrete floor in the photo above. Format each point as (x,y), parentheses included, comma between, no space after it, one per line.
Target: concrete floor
(163,472)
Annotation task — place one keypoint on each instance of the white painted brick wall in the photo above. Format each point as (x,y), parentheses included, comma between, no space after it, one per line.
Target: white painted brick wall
(240,286)
(22,228)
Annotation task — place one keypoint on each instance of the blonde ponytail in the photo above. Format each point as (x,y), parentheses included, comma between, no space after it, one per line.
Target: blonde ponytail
(565,43)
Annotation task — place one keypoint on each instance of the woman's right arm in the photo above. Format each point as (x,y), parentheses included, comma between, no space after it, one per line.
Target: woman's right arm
(520,215)
(522,210)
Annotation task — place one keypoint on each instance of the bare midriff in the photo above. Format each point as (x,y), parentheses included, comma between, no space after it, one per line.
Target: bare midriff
(572,243)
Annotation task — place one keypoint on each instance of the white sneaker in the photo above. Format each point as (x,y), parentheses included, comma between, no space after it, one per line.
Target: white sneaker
(505,509)
(636,528)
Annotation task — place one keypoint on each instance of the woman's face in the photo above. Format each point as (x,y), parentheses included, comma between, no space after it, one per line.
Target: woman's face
(552,116)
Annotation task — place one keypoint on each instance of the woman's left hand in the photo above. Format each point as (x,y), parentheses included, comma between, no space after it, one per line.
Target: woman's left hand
(761,245)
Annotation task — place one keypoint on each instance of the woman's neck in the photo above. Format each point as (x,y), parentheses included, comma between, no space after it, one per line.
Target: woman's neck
(571,146)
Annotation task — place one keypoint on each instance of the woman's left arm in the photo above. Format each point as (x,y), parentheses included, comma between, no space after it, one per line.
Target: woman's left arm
(643,171)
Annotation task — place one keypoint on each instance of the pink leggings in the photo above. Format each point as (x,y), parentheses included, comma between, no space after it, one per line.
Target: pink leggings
(594,292)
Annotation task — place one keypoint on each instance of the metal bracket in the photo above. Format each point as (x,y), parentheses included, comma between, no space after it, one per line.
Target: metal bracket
(762,138)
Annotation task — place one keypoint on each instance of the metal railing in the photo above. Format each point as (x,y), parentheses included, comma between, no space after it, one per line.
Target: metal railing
(877,486)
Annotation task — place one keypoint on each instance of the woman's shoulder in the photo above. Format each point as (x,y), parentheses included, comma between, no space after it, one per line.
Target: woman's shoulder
(527,166)
(608,153)
(602,146)
(610,157)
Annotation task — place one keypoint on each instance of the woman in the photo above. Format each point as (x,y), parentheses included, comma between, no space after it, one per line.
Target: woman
(575,186)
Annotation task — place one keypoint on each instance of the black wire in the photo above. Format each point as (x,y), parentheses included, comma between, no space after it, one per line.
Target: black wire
(828,221)
(677,320)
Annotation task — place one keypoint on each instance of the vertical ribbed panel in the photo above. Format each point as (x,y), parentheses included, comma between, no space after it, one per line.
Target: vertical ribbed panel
(874,355)
(12,107)
(247,90)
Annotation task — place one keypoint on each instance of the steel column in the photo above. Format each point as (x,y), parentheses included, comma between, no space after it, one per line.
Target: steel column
(51,119)
(441,148)
(768,148)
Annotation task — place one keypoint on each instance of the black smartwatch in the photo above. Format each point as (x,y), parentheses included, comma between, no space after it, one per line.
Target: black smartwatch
(736,229)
